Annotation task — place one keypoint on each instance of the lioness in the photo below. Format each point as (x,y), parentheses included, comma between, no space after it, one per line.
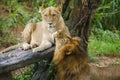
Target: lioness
(41,34)
(71,62)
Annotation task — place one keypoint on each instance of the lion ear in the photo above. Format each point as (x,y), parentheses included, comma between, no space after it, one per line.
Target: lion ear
(41,9)
(59,8)
(77,39)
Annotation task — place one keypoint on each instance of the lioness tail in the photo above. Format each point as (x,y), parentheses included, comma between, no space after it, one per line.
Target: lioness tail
(10,48)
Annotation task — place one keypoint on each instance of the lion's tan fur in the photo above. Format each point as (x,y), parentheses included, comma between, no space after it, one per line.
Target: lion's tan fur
(39,36)
(71,62)
(111,72)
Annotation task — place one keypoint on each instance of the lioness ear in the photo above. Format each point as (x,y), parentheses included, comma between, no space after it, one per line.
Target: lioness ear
(41,9)
(59,8)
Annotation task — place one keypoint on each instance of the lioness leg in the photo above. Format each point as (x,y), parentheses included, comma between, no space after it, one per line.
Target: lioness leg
(26,35)
(25,46)
(44,45)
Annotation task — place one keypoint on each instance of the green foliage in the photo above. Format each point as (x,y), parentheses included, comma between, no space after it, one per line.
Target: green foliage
(16,15)
(93,58)
(105,34)
(108,15)
(24,76)
(105,43)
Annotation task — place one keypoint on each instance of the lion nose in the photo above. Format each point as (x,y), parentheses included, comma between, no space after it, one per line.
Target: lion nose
(50,23)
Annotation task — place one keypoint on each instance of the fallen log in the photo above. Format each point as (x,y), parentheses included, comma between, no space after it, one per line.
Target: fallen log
(18,58)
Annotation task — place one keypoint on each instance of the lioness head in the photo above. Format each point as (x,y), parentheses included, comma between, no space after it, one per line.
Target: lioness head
(51,15)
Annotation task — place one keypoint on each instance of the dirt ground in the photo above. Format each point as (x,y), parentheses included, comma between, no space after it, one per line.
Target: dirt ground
(105,61)
(101,62)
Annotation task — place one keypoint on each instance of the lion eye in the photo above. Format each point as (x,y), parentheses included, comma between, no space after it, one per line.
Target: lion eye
(62,40)
(53,15)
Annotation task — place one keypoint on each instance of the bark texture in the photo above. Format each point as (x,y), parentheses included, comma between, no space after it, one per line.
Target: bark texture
(78,14)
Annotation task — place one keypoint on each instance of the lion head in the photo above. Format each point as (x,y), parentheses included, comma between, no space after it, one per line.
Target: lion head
(64,38)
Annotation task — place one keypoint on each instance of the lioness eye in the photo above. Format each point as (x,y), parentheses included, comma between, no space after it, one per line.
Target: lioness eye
(45,15)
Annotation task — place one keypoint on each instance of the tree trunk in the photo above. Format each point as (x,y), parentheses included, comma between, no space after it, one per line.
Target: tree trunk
(78,14)
(79,18)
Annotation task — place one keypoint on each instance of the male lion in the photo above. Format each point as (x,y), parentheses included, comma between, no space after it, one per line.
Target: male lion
(39,36)
(71,62)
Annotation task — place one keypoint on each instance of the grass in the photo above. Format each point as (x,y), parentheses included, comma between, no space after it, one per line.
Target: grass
(107,43)
(104,48)
(25,75)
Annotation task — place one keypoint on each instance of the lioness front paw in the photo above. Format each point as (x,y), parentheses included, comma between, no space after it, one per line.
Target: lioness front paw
(37,49)
(25,46)
(42,47)
(1,52)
